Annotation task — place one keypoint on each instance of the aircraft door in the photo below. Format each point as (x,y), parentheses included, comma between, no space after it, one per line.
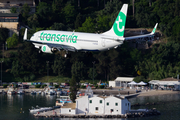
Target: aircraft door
(103,42)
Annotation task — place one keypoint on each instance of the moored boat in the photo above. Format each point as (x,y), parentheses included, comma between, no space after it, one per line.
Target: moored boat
(11,91)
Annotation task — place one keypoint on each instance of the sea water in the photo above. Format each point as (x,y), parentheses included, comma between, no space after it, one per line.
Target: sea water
(16,107)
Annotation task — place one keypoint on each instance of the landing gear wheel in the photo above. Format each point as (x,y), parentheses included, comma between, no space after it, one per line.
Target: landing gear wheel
(65,55)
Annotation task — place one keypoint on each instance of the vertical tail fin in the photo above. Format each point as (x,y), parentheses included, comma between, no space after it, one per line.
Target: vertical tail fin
(119,24)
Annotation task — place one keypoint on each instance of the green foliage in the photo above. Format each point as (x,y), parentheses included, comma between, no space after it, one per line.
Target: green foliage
(12,41)
(4,33)
(37,86)
(58,26)
(70,13)
(97,16)
(101,86)
(60,66)
(56,86)
(83,86)
(25,12)
(78,70)
(5,85)
(33,20)
(13,10)
(78,21)
(92,74)
(44,85)
(27,62)
(139,79)
(103,24)
(73,87)
(87,26)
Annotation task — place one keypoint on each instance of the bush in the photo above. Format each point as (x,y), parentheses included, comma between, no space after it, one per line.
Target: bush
(101,86)
(96,86)
(5,86)
(56,86)
(82,86)
(44,85)
(37,86)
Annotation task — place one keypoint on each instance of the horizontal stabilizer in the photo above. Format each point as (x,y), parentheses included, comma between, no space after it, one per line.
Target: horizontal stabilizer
(25,35)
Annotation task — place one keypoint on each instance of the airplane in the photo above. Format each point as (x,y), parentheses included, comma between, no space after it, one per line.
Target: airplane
(50,40)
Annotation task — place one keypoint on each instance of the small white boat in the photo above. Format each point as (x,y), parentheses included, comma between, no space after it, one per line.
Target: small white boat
(20,91)
(39,92)
(11,91)
(33,92)
(50,91)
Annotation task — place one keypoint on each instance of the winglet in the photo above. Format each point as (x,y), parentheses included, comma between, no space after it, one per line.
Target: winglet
(154,30)
(25,35)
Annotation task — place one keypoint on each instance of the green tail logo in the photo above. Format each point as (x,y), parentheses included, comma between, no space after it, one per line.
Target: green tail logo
(119,24)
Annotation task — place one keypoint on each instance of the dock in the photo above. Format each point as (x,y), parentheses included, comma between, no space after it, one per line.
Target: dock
(130,114)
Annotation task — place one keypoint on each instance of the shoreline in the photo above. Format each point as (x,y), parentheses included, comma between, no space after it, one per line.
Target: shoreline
(157,92)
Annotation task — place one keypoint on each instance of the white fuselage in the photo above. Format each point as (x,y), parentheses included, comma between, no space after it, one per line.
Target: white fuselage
(80,41)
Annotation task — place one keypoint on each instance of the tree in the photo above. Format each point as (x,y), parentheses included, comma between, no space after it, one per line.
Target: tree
(78,71)
(69,13)
(28,61)
(73,87)
(78,21)
(4,34)
(44,13)
(103,23)
(25,12)
(33,20)
(12,41)
(13,10)
(92,74)
(61,66)
(87,26)
(58,26)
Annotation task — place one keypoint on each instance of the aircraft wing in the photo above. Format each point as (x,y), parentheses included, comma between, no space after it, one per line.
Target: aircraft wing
(59,47)
(142,36)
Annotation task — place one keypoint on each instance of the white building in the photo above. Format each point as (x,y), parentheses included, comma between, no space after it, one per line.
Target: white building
(121,82)
(165,83)
(102,105)
(68,108)
(93,104)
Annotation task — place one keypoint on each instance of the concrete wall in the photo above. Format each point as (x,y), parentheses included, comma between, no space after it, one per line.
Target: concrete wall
(112,105)
(126,106)
(96,103)
(82,104)
(112,83)
(67,111)
(12,26)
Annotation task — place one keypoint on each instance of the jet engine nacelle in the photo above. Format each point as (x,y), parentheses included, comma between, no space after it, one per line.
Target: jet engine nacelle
(46,49)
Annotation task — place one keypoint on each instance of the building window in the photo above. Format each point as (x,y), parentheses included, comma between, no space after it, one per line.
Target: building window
(112,110)
(117,110)
(69,110)
(100,101)
(126,104)
(90,101)
(107,103)
(96,108)
(116,104)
